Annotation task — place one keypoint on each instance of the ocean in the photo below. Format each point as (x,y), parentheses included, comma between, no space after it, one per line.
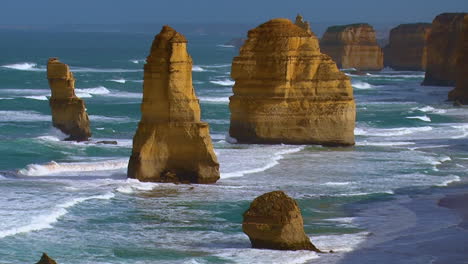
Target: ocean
(73,200)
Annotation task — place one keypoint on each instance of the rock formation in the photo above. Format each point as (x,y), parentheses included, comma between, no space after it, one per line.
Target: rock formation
(443,50)
(407,48)
(171,143)
(302,24)
(353,46)
(286,91)
(274,221)
(46,260)
(68,111)
(460,93)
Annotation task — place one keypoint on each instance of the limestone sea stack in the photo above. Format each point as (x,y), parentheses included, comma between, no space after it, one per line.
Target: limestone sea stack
(171,143)
(274,221)
(68,111)
(46,260)
(353,46)
(286,91)
(460,93)
(407,48)
(443,49)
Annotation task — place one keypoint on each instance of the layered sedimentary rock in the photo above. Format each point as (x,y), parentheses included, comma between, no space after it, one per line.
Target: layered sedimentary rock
(46,260)
(286,91)
(171,143)
(274,221)
(353,46)
(443,49)
(407,48)
(460,93)
(68,111)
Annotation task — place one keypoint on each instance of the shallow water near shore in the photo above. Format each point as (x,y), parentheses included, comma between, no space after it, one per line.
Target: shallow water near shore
(73,201)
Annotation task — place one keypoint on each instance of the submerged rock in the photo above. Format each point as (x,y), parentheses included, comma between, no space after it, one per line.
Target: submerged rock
(353,46)
(286,91)
(460,93)
(443,49)
(274,221)
(68,111)
(46,260)
(407,48)
(171,143)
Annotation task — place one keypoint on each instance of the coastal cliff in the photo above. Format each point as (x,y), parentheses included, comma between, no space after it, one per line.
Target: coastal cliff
(353,46)
(407,48)
(286,91)
(68,111)
(443,49)
(460,93)
(171,143)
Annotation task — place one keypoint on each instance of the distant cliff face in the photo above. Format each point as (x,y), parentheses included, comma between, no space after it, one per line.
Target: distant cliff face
(443,49)
(407,48)
(460,93)
(353,46)
(68,111)
(171,143)
(286,91)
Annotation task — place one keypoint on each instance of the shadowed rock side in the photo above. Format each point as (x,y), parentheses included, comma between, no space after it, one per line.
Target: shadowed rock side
(443,50)
(68,111)
(274,221)
(302,24)
(353,46)
(460,93)
(171,143)
(407,48)
(286,91)
(46,260)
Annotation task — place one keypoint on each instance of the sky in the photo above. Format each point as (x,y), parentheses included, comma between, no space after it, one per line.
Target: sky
(59,12)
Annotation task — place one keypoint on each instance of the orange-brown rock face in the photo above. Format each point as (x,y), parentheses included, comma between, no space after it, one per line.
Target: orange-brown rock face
(460,93)
(286,91)
(443,49)
(274,221)
(407,48)
(171,143)
(68,111)
(353,46)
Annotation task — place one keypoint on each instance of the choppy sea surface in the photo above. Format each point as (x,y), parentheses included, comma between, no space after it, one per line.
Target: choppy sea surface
(73,201)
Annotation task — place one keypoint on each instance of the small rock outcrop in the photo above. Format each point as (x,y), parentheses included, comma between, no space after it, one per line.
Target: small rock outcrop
(46,260)
(353,46)
(443,49)
(286,91)
(407,48)
(68,111)
(171,144)
(274,221)
(460,93)
(302,24)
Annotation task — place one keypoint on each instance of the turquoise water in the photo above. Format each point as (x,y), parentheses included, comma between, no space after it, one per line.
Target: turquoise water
(73,200)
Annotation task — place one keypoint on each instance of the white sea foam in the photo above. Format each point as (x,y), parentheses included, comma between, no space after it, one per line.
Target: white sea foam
(196,68)
(99,118)
(138,61)
(132,186)
(45,221)
(94,90)
(217,66)
(125,95)
(339,243)
(463,129)
(225,46)
(424,118)
(103,70)
(23,116)
(361,85)
(265,256)
(336,183)
(429,109)
(271,162)
(24,66)
(53,168)
(37,97)
(452,179)
(386,143)
(118,80)
(6,98)
(386,132)
(214,99)
(224,82)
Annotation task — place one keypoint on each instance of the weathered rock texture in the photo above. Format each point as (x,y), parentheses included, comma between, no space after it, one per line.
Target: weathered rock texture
(171,143)
(353,46)
(46,260)
(407,48)
(286,91)
(460,93)
(274,221)
(443,49)
(302,24)
(68,111)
